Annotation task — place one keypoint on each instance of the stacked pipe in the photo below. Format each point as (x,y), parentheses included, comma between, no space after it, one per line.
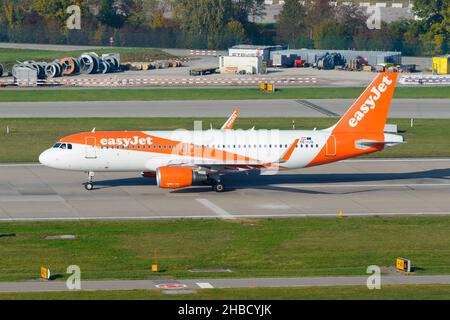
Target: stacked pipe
(87,63)
(70,65)
(330,61)
(54,69)
(91,63)
(161,64)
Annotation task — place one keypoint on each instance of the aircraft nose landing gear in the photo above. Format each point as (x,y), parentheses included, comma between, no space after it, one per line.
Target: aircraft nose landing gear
(90,185)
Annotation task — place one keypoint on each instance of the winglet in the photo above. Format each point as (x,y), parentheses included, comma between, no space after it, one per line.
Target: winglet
(230,122)
(287,155)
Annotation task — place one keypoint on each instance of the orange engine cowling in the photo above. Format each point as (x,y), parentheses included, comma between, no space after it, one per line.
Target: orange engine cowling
(177,177)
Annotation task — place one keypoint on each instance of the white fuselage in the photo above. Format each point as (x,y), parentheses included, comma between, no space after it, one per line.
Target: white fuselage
(265,146)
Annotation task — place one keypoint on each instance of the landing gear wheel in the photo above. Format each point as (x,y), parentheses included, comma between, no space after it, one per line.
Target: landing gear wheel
(89,185)
(218,187)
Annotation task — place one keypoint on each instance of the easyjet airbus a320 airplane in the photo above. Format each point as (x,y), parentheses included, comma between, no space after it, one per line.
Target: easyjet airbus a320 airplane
(183,158)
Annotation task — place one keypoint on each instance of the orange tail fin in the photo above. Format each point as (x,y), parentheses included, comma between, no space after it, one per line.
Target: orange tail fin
(369,113)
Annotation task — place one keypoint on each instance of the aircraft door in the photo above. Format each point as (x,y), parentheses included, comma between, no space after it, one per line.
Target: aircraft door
(91,148)
(331,146)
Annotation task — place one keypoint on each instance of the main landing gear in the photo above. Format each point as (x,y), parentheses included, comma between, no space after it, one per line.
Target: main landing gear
(216,184)
(218,187)
(90,185)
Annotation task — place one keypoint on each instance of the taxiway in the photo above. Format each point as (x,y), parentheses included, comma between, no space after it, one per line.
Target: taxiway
(357,187)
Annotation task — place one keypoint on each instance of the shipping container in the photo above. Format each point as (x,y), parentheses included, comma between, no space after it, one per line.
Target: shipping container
(311,56)
(244,50)
(247,65)
(441,65)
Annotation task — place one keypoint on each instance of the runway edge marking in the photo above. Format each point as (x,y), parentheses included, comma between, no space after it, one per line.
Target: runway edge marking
(255,216)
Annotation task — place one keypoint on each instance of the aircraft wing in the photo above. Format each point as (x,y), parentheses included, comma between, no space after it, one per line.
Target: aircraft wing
(217,165)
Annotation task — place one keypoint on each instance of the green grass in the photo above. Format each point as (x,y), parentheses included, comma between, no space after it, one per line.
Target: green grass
(251,248)
(410,292)
(29,137)
(8,57)
(156,94)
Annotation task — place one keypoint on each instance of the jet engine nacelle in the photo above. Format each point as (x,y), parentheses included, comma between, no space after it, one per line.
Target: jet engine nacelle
(178,177)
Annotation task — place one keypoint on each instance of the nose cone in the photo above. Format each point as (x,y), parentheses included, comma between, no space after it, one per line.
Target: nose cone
(46,158)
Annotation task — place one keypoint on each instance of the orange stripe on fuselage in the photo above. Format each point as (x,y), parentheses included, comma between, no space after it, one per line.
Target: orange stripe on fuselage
(130,140)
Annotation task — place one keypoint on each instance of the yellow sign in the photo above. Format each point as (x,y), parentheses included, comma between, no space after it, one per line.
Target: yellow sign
(403,264)
(266,87)
(341,214)
(441,65)
(155,268)
(45,273)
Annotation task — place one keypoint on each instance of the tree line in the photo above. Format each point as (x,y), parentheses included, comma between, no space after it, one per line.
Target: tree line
(317,24)
(218,24)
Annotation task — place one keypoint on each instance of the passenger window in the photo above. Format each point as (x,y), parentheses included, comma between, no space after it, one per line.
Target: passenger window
(69,146)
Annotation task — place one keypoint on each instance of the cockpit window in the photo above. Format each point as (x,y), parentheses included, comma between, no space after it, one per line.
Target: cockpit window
(63,146)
